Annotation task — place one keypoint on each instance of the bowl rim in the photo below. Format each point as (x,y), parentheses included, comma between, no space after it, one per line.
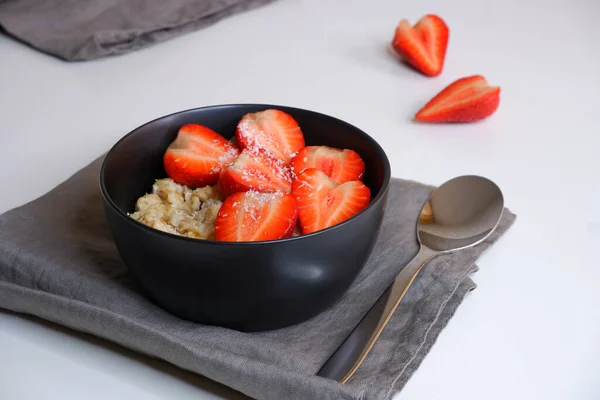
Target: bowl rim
(382,191)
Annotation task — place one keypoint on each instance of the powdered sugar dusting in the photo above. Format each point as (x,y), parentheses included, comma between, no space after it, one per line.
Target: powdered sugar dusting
(304,183)
(261,172)
(228,156)
(262,198)
(281,170)
(254,202)
(255,137)
(225,159)
(249,175)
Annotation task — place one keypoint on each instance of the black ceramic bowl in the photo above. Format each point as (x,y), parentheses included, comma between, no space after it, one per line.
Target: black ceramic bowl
(245,286)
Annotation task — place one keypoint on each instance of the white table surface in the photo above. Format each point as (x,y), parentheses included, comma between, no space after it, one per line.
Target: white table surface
(530,330)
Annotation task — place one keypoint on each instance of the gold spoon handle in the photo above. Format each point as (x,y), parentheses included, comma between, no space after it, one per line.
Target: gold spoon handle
(350,355)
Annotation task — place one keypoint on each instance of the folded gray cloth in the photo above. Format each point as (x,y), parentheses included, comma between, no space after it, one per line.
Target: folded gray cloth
(85,30)
(58,262)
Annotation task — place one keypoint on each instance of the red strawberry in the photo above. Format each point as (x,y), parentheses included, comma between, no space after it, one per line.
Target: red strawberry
(252,216)
(340,165)
(466,100)
(271,130)
(197,155)
(323,203)
(255,170)
(424,45)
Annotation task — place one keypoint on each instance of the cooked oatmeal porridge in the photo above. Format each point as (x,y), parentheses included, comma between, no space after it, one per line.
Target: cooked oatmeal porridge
(180,210)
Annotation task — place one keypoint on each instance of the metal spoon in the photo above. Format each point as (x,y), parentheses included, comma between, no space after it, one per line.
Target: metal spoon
(459,214)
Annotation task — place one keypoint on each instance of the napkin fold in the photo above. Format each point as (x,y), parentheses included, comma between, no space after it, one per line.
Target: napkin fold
(85,30)
(58,262)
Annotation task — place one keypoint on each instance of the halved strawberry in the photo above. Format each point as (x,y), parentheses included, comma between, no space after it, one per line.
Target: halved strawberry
(252,216)
(197,155)
(340,165)
(323,203)
(424,45)
(274,131)
(465,100)
(255,170)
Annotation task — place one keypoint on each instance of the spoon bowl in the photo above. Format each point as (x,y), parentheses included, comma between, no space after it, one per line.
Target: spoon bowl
(461,213)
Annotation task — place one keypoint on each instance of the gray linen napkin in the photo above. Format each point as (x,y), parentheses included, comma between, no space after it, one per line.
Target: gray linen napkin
(84,30)
(58,262)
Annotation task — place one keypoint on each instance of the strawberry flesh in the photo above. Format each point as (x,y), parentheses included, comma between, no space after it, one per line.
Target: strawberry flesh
(197,156)
(322,202)
(468,99)
(340,165)
(424,45)
(255,170)
(272,131)
(253,216)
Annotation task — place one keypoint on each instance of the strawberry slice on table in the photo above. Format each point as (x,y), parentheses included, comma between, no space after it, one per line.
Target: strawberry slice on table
(468,99)
(340,165)
(253,216)
(197,155)
(323,203)
(255,170)
(424,45)
(274,131)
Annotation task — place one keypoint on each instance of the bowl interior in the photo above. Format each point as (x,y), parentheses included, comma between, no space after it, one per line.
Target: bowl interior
(135,162)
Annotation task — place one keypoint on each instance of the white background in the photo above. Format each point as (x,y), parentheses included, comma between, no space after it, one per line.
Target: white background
(530,330)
